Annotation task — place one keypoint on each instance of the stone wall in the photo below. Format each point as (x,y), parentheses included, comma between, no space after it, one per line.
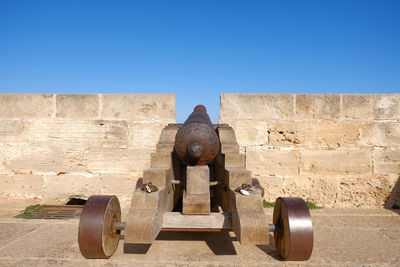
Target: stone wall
(337,150)
(53,147)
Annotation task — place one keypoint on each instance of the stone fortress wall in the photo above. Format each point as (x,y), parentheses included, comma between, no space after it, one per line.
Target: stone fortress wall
(53,147)
(334,150)
(337,150)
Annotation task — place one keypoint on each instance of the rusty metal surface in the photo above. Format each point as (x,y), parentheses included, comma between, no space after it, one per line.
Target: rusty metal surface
(90,233)
(294,237)
(196,142)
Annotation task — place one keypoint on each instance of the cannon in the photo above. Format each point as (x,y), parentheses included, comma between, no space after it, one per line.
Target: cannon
(197,181)
(196,142)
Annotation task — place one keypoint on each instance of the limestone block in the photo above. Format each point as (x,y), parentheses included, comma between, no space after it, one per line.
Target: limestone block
(10,127)
(255,107)
(364,192)
(317,106)
(387,106)
(319,190)
(120,184)
(272,162)
(386,161)
(77,134)
(313,134)
(144,134)
(352,161)
(21,186)
(103,160)
(26,106)
(380,134)
(58,188)
(32,158)
(357,106)
(139,106)
(77,106)
(10,151)
(250,132)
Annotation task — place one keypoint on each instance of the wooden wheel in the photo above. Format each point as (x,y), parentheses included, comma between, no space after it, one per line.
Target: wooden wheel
(294,233)
(96,237)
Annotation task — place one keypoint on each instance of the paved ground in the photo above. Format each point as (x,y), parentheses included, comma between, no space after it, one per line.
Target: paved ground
(343,237)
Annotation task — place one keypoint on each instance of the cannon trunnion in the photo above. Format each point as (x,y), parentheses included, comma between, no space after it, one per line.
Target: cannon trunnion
(197,181)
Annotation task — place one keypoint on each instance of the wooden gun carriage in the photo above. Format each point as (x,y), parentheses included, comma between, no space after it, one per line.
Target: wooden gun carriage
(197,181)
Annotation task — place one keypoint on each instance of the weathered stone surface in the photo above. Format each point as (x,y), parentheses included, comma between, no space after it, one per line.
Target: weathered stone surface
(313,134)
(387,106)
(364,192)
(118,160)
(354,211)
(333,162)
(14,231)
(319,190)
(21,186)
(389,223)
(255,107)
(77,106)
(144,134)
(30,159)
(34,141)
(352,246)
(394,197)
(53,243)
(49,248)
(75,133)
(26,106)
(139,107)
(10,127)
(272,162)
(317,106)
(386,161)
(121,185)
(380,134)
(357,106)
(321,141)
(58,188)
(250,132)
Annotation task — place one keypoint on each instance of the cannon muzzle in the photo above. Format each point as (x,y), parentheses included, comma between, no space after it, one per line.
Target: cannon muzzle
(196,142)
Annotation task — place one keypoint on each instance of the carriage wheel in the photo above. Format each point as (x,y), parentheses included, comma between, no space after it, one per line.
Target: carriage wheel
(294,233)
(97,237)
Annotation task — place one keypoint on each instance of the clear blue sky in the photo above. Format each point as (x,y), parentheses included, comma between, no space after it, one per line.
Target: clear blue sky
(199,49)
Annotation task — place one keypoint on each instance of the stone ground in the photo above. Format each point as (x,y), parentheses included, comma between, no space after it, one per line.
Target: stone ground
(342,237)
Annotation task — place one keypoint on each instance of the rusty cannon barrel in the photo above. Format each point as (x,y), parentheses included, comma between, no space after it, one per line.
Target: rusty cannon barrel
(196,142)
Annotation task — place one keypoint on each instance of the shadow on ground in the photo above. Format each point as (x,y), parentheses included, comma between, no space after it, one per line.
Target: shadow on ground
(220,243)
(392,202)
